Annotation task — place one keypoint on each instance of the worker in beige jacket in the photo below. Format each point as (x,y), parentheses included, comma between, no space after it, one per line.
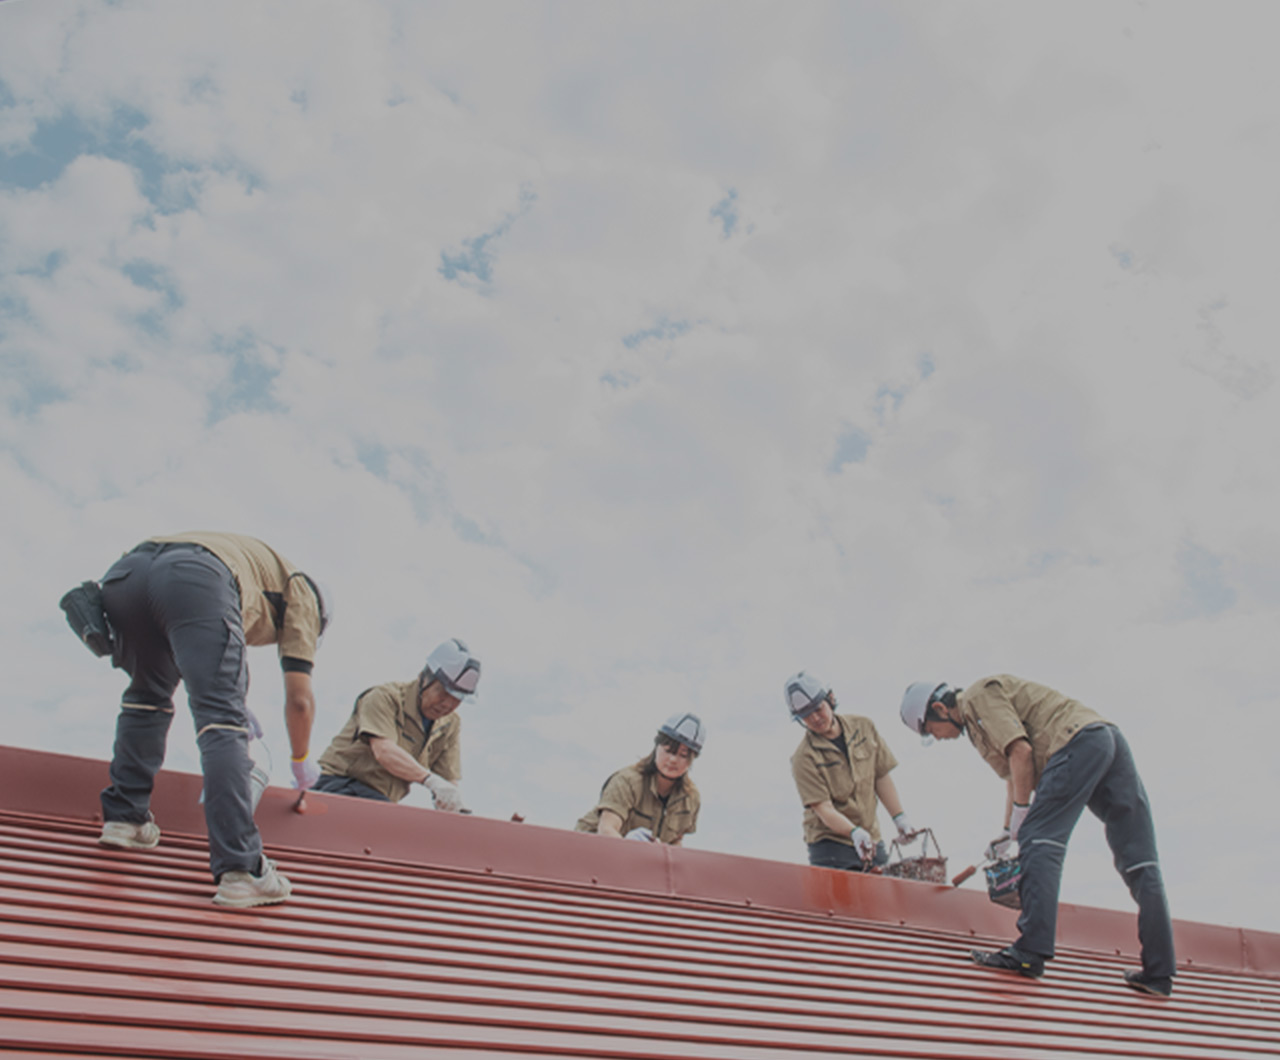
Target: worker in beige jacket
(184,608)
(655,799)
(1056,756)
(406,733)
(841,770)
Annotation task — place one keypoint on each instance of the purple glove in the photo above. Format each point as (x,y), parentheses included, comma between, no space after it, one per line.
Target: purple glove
(305,773)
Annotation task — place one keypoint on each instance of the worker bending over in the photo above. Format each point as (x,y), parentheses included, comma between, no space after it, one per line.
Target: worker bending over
(183,608)
(1057,757)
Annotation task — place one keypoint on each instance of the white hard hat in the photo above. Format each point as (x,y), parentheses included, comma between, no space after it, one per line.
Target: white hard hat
(453,665)
(685,728)
(915,705)
(804,694)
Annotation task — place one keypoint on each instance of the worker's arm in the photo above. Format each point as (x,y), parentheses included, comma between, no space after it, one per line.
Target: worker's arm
(400,763)
(1020,787)
(299,712)
(838,822)
(887,793)
(831,817)
(1022,779)
(610,824)
(396,760)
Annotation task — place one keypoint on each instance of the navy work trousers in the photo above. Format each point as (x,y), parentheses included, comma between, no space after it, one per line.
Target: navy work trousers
(1096,770)
(357,789)
(175,610)
(832,854)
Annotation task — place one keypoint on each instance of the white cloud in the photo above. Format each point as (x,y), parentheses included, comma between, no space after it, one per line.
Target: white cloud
(1024,256)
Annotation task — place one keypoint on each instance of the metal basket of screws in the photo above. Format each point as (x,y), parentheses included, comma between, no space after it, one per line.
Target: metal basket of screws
(923,867)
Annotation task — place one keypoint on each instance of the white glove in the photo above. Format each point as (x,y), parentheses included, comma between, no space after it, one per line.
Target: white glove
(904,825)
(999,847)
(445,795)
(641,833)
(863,844)
(1016,816)
(305,773)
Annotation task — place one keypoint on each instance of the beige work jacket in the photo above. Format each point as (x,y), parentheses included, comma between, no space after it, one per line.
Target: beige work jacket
(634,798)
(998,710)
(277,603)
(391,711)
(822,772)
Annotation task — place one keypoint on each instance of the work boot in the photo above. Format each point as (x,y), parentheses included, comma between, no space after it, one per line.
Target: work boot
(1155,985)
(130,835)
(1010,959)
(240,890)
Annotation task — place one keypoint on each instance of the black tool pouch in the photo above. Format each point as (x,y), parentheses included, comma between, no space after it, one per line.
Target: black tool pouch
(87,619)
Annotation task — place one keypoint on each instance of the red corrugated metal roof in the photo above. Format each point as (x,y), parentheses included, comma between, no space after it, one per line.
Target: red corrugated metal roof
(412,931)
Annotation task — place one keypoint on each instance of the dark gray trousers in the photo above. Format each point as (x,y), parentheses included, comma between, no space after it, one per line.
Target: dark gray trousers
(1096,770)
(357,789)
(175,610)
(832,854)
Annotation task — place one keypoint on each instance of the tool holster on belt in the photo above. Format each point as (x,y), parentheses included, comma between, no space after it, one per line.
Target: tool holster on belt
(87,619)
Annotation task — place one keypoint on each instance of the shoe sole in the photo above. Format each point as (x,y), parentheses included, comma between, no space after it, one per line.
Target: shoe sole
(1008,971)
(127,844)
(248,903)
(1143,988)
(251,901)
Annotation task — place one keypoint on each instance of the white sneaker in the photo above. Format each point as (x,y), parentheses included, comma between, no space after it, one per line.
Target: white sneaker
(241,890)
(129,835)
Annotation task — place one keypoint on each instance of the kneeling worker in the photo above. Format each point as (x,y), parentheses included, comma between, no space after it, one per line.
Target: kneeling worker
(653,800)
(841,770)
(1059,751)
(406,733)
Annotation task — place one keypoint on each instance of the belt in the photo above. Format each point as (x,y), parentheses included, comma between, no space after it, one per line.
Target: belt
(164,546)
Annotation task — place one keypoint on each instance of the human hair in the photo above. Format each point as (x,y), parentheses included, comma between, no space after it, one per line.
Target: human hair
(649,763)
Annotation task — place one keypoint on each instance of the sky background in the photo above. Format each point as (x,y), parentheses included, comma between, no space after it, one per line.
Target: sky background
(660,350)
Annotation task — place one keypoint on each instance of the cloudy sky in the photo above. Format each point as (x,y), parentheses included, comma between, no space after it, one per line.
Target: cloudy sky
(661,350)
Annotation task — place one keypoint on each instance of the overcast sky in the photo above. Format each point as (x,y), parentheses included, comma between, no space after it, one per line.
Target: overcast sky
(660,350)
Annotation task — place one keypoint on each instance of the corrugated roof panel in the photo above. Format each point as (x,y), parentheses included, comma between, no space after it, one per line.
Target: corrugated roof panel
(473,938)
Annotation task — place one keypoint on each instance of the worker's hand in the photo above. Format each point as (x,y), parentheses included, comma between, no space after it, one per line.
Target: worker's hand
(255,726)
(999,847)
(445,795)
(642,834)
(904,825)
(1016,816)
(305,773)
(863,844)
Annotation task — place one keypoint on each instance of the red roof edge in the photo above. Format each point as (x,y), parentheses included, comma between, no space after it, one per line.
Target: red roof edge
(64,786)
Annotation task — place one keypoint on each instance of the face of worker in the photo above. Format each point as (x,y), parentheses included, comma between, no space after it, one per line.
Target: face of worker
(435,703)
(823,721)
(672,764)
(943,730)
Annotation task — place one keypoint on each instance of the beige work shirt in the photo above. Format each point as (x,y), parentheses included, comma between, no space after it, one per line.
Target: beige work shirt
(391,711)
(634,797)
(998,710)
(277,604)
(822,772)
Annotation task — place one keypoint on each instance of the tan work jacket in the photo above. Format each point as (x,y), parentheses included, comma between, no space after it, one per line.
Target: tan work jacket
(391,711)
(822,772)
(998,710)
(277,603)
(634,798)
